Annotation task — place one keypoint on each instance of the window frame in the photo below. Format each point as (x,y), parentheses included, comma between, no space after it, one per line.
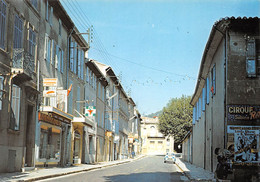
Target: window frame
(3,17)
(18,32)
(16,109)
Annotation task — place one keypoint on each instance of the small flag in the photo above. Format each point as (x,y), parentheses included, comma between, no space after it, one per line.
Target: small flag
(69,90)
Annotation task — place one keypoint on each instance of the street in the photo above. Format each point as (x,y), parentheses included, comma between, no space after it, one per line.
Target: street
(150,169)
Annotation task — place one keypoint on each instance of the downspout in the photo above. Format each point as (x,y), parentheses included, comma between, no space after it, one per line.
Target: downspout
(225,36)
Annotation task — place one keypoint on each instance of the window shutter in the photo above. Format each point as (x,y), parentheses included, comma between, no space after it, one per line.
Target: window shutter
(61,65)
(57,57)
(1,91)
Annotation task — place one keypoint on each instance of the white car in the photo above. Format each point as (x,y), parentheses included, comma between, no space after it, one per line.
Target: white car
(169,157)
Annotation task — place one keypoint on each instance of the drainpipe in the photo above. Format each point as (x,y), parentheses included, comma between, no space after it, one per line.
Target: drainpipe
(225,36)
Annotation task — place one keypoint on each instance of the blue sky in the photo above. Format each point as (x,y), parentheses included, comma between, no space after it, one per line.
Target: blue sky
(154,45)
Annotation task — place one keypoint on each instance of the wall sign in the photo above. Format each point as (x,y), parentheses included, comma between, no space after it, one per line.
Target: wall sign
(243,113)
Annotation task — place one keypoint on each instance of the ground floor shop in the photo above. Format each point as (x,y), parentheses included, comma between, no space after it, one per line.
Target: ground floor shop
(52,140)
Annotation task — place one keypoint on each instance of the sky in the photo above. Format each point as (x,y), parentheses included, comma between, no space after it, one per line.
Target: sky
(154,46)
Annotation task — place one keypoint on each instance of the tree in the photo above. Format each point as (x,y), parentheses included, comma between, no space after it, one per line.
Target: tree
(176,118)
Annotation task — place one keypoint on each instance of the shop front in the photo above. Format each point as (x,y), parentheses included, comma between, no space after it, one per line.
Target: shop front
(52,141)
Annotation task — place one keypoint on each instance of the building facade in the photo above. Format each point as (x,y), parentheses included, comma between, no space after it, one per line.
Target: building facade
(18,83)
(57,107)
(226,103)
(154,142)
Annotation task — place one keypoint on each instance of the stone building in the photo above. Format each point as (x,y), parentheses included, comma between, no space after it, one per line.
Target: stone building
(19,50)
(226,100)
(154,142)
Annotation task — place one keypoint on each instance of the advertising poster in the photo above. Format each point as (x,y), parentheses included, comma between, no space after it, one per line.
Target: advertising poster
(246,146)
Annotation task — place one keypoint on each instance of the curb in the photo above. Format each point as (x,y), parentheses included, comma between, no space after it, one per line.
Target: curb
(78,171)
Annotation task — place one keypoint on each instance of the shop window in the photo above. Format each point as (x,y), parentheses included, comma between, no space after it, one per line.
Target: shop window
(49,143)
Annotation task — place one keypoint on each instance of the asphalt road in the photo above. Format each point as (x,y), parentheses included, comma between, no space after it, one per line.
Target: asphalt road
(150,169)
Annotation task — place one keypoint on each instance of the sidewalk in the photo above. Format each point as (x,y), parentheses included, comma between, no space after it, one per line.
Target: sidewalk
(194,173)
(45,173)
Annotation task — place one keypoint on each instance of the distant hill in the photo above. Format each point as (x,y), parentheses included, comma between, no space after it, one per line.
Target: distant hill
(154,114)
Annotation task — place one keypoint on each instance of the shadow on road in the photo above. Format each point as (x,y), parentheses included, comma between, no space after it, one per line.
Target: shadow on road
(146,177)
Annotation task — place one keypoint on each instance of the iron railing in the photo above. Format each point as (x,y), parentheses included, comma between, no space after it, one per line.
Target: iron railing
(24,61)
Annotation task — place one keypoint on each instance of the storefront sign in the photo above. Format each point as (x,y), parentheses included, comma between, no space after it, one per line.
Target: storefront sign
(243,113)
(60,118)
(50,82)
(48,119)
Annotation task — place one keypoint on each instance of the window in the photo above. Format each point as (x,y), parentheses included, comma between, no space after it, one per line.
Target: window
(197,111)
(78,99)
(194,115)
(34,4)
(2,23)
(15,117)
(71,55)
(47,11)
(59,59)
(60,25)
(32,42)
(51,16)
(18,32)
(48,46)
(75,57)
(213,80)
(204,98)
(87,74)
(1,91)
(71,98)
(251,58)
(79,63)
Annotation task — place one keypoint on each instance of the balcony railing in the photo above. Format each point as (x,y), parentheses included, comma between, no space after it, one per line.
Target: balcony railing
(23,64)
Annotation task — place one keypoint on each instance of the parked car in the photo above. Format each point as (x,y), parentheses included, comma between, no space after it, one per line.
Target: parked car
(169,157)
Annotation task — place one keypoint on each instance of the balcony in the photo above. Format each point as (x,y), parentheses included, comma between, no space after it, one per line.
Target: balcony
(23,66)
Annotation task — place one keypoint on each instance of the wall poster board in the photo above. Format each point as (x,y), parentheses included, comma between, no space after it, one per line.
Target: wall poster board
(246,144)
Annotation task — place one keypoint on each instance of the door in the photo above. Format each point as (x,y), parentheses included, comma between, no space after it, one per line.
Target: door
(11,160)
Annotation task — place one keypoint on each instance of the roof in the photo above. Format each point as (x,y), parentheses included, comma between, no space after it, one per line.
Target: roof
(68,23)
(217,33)
(93,66)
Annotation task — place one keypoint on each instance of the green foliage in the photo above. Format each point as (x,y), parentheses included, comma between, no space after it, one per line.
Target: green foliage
(176,118)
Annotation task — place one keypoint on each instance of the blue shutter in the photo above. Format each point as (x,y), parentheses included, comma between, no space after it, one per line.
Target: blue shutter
(207,90)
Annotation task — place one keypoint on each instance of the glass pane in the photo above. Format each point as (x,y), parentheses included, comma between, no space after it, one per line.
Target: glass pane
(251,68)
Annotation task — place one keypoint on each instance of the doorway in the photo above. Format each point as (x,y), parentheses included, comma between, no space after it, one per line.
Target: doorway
(29,137)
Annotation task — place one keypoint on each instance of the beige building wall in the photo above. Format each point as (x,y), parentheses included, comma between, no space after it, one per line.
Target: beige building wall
(154,142)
